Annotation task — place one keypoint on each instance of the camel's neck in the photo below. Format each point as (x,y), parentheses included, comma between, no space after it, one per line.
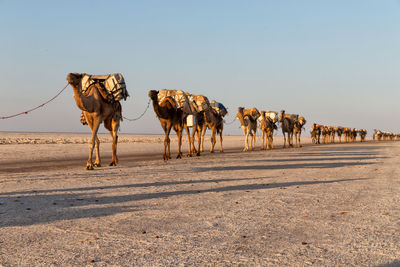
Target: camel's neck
(83,102)
(157,108)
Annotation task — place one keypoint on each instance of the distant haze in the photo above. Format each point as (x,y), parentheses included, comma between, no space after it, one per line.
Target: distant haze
(334,62)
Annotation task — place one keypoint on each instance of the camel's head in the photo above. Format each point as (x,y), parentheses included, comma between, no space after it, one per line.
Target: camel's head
(240,112)
(153,94)
(74,78)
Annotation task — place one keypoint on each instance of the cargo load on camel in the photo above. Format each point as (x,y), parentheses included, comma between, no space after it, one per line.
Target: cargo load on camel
(198,103)
(114,84)
(219,108)
(180,98)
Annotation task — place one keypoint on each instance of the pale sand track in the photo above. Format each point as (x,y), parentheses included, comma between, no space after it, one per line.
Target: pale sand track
(327,205)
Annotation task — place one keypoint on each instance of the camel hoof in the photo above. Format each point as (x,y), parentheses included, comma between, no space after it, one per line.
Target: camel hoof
(221,151)
(198,154)
(211,151)
(97,164)
(179,156)
(113,164)
(89,167)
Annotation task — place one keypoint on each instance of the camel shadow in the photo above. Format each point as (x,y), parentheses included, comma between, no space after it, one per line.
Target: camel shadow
(39,209)
(126,186)
(315,159)
(322,165)
(395,263)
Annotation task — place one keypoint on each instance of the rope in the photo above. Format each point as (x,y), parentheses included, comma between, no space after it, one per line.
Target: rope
(30,110)
(141,115)
(228,123)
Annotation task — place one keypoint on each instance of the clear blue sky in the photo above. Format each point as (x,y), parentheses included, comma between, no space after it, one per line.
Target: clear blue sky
(335,62)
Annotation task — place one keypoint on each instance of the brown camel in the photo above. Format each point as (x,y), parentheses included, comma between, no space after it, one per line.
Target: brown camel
(316,133)
(339,132)
(298,125)
(267,125)
(170,117)
(332,133)
(96,109)
(363,134)
(249,127)
(287,124)
(209,119)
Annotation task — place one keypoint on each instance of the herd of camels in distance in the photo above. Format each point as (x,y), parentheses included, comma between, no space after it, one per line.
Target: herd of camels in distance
(179,110)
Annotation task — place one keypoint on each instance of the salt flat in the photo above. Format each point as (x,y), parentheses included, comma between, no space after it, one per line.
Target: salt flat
(325,205)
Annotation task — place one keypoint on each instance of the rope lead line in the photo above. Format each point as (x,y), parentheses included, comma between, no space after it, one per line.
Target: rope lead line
(228,123)
(141,115)
(30,110)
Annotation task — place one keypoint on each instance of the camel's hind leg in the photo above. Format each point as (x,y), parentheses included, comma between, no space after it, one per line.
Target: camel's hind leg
(203,132)
(213,141)
(97,163)
(195,130)
(178,131)
(189,140)
(114,134)
(221,149)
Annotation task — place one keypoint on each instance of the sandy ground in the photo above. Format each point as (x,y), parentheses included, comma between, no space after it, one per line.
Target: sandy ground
(326,205)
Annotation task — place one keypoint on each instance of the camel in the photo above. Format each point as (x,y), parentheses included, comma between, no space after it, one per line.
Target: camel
(363,134)
(96,109)
(353,134)
(339,132)
(316,133)
(249,127)
(287,125)
(170,117)
(325,134)
(332,132)
(267,126)
(209,119)
(298,125)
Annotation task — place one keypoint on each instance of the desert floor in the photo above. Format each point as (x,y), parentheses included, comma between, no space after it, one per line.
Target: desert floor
(322,205)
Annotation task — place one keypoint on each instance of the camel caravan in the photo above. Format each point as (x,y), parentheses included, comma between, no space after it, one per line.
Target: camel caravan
(385,136)
(291,125)
(99,96)
(180,110)
(328,133)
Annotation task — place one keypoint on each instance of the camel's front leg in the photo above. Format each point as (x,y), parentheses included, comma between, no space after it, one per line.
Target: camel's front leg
(299,140)
(95,128)
(253,140)
(272,140)
(246,142)
(290,139)
(284,140)
(264,143)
